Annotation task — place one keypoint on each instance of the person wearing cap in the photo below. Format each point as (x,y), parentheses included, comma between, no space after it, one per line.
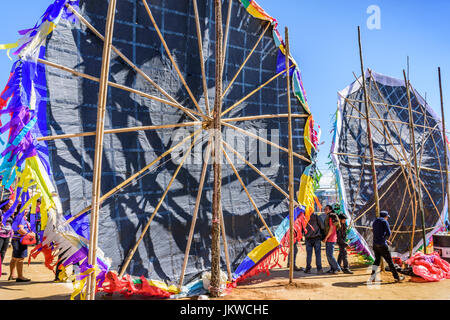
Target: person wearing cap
(342,259)
(381,232)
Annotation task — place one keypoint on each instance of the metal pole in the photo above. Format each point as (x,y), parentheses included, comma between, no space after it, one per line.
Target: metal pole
(369,131)
(444,139)
(217,168)
(413,142)
(96,180)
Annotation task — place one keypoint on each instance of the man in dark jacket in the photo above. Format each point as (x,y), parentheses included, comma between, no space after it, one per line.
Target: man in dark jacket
(342,259)
(381,233)
(313,237)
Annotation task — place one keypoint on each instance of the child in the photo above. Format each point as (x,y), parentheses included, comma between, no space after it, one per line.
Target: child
(341,240)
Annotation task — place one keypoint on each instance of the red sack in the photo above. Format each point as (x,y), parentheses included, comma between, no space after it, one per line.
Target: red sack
(29,238)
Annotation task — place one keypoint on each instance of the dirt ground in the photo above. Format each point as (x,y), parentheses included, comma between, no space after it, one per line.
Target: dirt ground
(261,287)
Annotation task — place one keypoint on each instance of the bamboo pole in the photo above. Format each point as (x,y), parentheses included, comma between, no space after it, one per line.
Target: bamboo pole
(132,177)
(246,59)
(410,179)
(413,145)
(265,141)
(254,91)
(444,141)
(121,55)
(195,213)
(169,54)
(202,62)
(291,161)
(96,180)
(121,130)
(217,168)
(144,231)
(247,192)
(369,132)
(388,137)
(189,112)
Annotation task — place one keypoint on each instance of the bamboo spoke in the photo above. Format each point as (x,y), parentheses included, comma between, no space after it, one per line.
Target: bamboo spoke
(246,191)
(254,91)
(225,244)
(133,177)
(202,63)
(381,197)
(258,171)
(227,31)
(144,231)
(121,130)
(189,112)
(194,216)
(432,201)
(388,137)
(265,141)
(169,54)
(380,160)
(121,55)
(264,116)
(246,59)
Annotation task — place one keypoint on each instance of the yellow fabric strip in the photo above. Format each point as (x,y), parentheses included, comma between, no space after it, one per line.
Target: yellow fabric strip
(261,250)
(9,46)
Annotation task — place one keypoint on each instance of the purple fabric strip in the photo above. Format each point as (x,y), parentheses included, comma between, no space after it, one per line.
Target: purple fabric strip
(76,257)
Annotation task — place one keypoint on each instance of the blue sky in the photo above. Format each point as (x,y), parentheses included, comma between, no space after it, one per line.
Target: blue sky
(323,37)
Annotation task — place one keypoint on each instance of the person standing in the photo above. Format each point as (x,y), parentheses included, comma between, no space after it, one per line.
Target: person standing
(381,232)
(6,231)
(313,237)
(332,224)
(20,251)
(342,259)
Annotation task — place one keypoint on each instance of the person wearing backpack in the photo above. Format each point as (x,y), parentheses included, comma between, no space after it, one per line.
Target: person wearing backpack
(313,236)
(342,259)
(332,225)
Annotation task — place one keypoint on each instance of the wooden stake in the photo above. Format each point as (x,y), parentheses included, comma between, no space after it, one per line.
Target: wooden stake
(144,231)
(444,140)
(291,162)
(217,168)
(369,132)
(96,180)
(413,146)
